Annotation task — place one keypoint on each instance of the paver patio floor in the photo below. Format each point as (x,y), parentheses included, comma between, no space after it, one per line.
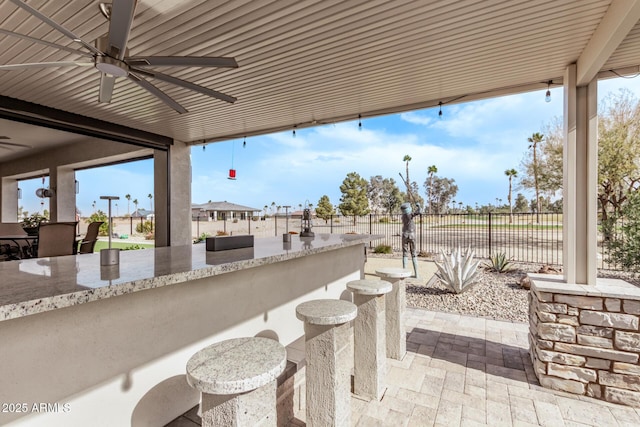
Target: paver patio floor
(468,371)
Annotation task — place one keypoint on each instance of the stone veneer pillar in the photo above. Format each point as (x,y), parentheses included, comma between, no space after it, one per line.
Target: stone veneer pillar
(369,337)
(329,360)
(396,302)
(585,339)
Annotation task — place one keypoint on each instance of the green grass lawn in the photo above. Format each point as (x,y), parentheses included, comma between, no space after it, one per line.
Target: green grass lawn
(103,244)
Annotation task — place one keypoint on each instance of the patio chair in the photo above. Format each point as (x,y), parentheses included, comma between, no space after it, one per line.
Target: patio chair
(88,243)
(57,239)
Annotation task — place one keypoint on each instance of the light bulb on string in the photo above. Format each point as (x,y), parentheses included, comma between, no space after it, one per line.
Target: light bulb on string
(244,142)
(359,122)
(440,112)
(294,131)
(547,96)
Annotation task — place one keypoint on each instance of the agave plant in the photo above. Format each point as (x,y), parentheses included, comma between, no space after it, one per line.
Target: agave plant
(500,263)
(458,271)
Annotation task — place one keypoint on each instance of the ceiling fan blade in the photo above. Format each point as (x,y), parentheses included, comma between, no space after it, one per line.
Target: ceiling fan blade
(157,93)
(55,25)
(188,85)
(120,26)
(106,87)
(13,144)
(44,42)
(182,61)
(8,67)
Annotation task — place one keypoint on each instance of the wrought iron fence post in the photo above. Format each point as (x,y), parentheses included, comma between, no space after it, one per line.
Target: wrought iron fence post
(331,224)
(421,233)
(489,234)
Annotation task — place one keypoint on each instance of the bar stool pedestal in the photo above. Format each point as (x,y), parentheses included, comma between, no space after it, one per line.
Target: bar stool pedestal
(237,379)
(329,359)
(396,302)
(369,337)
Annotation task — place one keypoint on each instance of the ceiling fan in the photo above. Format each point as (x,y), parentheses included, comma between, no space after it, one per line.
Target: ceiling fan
(4,145)
(110,56)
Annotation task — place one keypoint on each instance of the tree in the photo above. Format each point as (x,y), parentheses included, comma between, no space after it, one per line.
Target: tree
(440,192)
(374,193)
(384,194)
(128,197)
(618,151)
(510,173)
(354,196)
(624,246)
(135,203)
(521,204)
(325,209)
(150,196)
(431,170)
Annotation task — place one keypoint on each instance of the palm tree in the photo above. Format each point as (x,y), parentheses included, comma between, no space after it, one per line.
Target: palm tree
(135,203)
(407,159)
(128,197)
(431,170)
(534,140)
(150,196)
(511,173)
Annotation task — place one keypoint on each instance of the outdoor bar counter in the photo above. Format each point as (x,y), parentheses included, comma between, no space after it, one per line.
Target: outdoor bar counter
(82,344)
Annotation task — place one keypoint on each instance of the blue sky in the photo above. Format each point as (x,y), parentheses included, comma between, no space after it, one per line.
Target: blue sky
(473,143)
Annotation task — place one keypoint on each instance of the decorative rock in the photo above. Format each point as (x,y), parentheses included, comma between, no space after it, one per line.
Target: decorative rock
(591,303)
(612,304)
(600,353)
(629,341)
(595,341)
(557,332)
(597,363)
(562,358)
(595,331)
(625,397)
(615,320)
(548,307)
(628,382)
(570,386)
(572,373)
(626,368)
(631,306)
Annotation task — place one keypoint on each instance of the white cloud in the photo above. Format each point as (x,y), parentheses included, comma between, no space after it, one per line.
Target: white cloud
(416,118)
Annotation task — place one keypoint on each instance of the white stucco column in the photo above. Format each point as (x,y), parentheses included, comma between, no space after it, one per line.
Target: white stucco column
(172,187)
(580,163)
(62,180)
(9,200)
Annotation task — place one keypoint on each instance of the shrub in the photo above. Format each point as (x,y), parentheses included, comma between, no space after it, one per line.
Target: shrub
(624,235)
(132,248)
(458,271)
(499,263)
(221,233)
(201,238)
(384,219)
(144,228)
(382,249)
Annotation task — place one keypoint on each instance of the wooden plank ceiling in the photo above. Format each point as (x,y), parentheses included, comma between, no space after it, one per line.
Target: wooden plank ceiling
(305,61)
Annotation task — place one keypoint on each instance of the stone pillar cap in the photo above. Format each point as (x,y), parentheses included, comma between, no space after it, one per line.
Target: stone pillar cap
(236,366)
(369,287)
(394,272)
(326,311)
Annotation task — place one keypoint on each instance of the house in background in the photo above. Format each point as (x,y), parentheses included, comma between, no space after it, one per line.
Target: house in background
(214,211)
(142,213)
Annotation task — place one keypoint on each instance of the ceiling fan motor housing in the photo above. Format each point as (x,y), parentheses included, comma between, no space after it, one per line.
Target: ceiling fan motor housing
(112,66)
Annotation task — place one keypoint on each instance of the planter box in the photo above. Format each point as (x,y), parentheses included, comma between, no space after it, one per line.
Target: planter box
(223,243)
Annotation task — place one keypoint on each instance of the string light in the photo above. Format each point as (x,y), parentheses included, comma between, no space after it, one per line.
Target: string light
(294,130)
(359,122)
(244,142)
(547,96)
(440,112)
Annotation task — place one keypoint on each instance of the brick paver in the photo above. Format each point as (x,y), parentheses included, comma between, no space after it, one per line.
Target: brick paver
(465,371)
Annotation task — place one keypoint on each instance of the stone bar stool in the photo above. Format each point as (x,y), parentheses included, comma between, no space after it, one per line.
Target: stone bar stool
(369,336)
(329,360)
(396,302)
(237,379)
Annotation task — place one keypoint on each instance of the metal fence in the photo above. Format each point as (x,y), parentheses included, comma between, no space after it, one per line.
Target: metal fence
(522,237)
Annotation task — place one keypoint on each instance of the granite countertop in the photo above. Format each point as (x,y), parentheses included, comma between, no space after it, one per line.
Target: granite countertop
(37,285)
